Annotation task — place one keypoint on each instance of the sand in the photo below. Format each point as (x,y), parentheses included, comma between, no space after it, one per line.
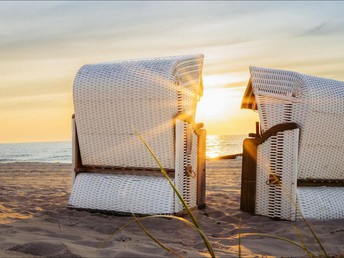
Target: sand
(34,221)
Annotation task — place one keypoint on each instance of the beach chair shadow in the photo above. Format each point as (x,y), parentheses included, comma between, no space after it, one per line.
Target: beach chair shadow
(293,165)
(112,169)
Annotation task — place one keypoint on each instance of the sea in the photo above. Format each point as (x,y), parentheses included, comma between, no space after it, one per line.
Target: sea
(61,152)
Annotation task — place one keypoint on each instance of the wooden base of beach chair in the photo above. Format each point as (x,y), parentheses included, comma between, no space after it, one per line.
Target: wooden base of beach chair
(249,176)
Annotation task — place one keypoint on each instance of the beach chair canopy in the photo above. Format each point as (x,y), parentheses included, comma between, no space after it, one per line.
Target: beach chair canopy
(156,97)
(114,99)
(301,146)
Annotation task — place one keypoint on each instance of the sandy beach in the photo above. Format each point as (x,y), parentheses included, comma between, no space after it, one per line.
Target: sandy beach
(34,221)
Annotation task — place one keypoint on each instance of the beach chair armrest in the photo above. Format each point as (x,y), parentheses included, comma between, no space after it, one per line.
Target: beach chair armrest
(277,168)
(194,153)
(273,131)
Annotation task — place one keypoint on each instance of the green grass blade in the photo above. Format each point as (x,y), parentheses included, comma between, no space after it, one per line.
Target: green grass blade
(239,236)
(282,239)
(185,221)
(189,212)
(315,236)
(180,197)
(154,238)
(298,232)
(302,217)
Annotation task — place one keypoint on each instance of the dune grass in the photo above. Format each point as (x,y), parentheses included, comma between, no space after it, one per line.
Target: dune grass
(240,235)
(316,238)
(180,197)
(195,225)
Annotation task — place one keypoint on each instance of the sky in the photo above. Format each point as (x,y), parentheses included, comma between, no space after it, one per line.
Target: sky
(43,44)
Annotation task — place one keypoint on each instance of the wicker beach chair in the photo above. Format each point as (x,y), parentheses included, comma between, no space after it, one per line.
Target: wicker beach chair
(294,166)
(112,169)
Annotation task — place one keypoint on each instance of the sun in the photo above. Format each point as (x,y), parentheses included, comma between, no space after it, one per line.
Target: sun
(220,110)
(219,104)
(212,105)
(220,107)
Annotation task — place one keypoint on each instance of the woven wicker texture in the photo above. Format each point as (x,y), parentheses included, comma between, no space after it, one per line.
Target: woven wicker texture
(321,202)
(317,106)
(262,189)
(185,184)
(194,164)
(143,194)
(276,160)
(114,99)
(111,101)
(137,194)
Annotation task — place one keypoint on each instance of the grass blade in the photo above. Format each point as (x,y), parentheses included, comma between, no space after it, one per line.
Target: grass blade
(315,236)
(153,238)
(185,221)
(282,239)
(239,236)
(302,217)
(189,212)
(298,232)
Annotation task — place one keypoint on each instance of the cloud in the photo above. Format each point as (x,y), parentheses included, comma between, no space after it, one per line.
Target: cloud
(64,25)
(325,29)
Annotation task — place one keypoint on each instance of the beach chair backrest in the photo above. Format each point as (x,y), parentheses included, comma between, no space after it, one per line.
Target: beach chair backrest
(316,105)
(113,100)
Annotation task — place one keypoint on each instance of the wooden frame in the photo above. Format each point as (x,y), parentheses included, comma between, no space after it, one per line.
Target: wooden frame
(201,168)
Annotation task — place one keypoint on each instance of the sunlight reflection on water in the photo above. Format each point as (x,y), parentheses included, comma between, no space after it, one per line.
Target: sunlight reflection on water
(221,145)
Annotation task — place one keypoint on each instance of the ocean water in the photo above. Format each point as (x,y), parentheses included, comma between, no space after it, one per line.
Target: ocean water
(61,152)
(221,145)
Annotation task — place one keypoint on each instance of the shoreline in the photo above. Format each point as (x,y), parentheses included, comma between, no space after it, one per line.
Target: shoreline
(34,221)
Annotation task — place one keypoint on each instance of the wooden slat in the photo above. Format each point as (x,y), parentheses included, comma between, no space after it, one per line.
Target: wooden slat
(320,182)
(123,171)
(248,176)
(201,168)
(77,155)
(80,168)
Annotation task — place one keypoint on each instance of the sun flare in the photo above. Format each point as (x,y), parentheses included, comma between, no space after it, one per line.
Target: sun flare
(219,104)
(212,105)
(220,111)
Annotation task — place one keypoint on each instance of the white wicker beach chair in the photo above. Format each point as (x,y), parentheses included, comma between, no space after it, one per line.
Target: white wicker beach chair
(112,169)
(299,167)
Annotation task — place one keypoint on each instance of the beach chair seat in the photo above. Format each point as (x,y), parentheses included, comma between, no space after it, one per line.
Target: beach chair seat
(293,165)
(112,169)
